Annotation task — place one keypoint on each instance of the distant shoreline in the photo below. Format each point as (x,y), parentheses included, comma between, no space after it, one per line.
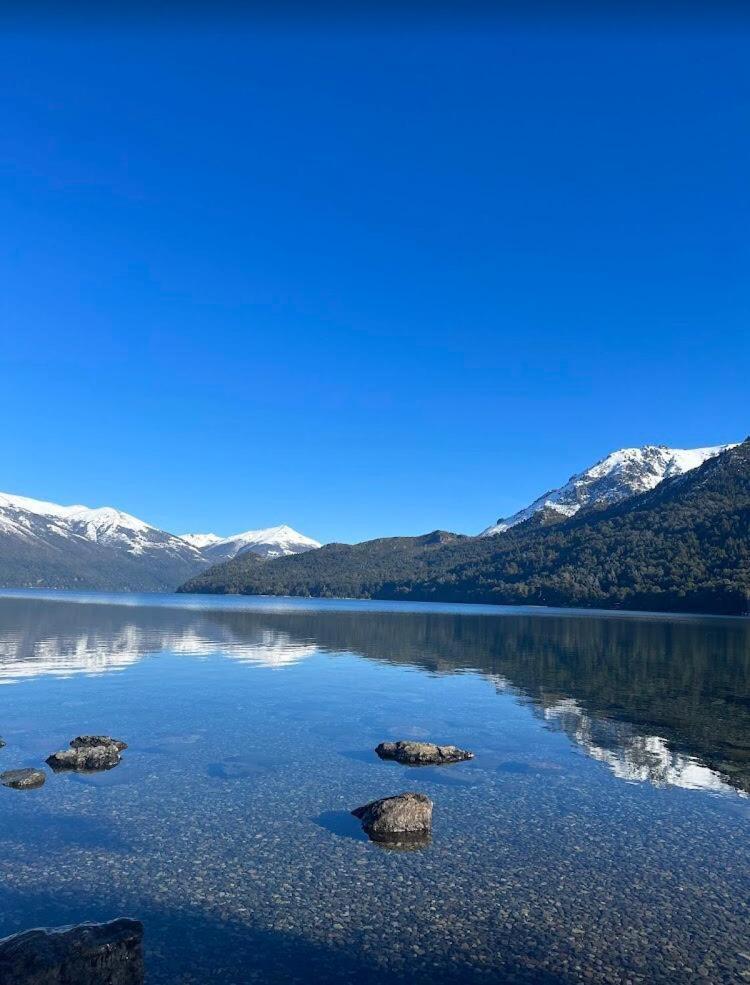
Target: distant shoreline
(236,601)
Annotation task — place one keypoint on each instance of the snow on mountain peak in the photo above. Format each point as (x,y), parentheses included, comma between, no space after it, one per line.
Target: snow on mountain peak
(76,545)
(621,474)
(37,520)
(99,517)
(200,540)
(267,542)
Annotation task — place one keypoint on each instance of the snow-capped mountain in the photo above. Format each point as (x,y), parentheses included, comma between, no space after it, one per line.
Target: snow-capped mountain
(34,519)
(622,474)
(47,545)
(200,540)
(269,542)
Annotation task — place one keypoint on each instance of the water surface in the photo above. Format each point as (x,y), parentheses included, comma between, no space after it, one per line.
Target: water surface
(600,835)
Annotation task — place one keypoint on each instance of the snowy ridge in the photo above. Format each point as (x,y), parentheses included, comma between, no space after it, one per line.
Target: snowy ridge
(101,517)
(622,474)
(268,542)
(36,519)
(44,544)
(200,540)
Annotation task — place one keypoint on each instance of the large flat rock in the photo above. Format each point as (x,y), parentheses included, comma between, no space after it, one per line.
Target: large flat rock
(86,954)
(25,779)
(422,753)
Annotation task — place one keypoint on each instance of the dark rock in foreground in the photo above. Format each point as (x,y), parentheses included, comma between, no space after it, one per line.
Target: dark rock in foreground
(87,741)
(26,779)
(89,954)
(422,753)
(89,752)
(406,817)
(2,743)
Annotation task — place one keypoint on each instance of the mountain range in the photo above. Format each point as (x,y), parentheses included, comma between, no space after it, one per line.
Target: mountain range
(681,544)
(552,551)
(52,546)
(622,474)
(268,543)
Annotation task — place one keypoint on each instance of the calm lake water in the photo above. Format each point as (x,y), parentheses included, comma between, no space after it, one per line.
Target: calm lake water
(602,834)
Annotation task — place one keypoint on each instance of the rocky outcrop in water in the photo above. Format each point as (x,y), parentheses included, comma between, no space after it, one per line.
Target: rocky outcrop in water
(25,779)
(2,743)
(422,753)
(403,818)
(89,741)
(88,954)
(88,753)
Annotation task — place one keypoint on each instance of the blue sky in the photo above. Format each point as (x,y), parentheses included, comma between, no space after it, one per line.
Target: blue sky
(365,281)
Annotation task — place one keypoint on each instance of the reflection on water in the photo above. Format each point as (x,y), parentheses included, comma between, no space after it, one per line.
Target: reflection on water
(657,700)
(586,841)
(99,650)
(630,756)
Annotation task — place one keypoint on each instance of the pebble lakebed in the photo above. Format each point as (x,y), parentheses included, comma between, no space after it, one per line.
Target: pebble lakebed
(226,829)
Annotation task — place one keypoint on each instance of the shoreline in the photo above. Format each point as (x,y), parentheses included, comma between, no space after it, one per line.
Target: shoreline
(231,601)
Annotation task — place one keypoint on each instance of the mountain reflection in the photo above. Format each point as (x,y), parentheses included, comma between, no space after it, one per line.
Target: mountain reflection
(630,756)
(655,700)
(82,639)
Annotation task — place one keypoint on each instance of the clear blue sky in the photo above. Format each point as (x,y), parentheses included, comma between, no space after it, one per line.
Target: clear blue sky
(365,279)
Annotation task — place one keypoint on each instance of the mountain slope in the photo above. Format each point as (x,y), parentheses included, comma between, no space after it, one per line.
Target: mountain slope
(684,545)
(622,474)
(200,540)
(47,545)
(269,542)
(333,570)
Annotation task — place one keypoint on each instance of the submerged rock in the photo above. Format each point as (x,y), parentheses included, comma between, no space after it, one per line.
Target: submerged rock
(26,779)
(88,954)
(405,817)
(89,757)
(87,741)
(422,753)
(2,743)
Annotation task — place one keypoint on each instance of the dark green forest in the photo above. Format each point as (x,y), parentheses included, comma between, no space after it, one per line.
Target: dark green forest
(685,546)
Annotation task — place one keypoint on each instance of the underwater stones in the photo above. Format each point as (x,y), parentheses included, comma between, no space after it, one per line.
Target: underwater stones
(88,752)
(87,954)
(422,753)
(2,743)
(87,741)
(25,779)
(405,817)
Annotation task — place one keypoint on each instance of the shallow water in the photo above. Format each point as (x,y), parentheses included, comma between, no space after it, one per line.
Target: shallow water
(600,835)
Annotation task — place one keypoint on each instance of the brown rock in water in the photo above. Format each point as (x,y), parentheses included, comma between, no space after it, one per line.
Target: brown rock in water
(88,954)
(422,753)
(405,817)
(85,758)
(87,741)
(26,779)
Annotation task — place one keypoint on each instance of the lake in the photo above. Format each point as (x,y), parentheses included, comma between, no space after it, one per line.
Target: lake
(601,834)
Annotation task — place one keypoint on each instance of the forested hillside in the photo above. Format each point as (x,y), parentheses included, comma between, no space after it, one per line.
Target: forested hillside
(683,546)
(334,570)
